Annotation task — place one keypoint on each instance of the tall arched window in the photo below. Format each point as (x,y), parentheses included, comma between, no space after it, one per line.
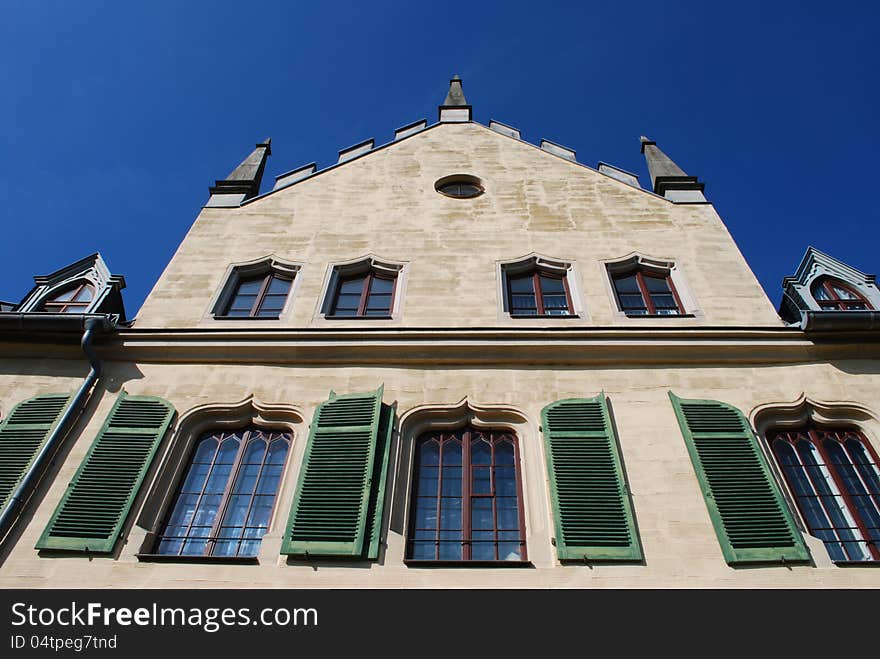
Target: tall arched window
(72,299)
(227,495)
(834,477)
(833,295)
(644,292)
(467,497)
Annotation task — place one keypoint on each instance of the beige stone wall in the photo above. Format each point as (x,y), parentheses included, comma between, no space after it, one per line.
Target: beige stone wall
(385,204)
(680,546)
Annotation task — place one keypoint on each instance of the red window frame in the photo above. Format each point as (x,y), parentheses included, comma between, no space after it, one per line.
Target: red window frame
(834,301)
(261,294)
(537,291)
(818,437)
(247,437)
(467,436)
(54,305)
(366,287)
(639,274)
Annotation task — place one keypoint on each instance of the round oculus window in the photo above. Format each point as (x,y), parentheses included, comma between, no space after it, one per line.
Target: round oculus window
(460,186)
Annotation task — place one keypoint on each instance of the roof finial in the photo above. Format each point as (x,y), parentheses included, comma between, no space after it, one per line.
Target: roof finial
(455,108)
(669,179)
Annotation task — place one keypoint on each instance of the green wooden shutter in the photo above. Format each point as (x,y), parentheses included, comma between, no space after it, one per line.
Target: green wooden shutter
(332,501)
(22,435)
(377,492)
(93,510)
(753,523)
(591,506)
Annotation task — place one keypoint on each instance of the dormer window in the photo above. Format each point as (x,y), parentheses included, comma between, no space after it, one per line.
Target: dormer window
(73,299)
(833,295)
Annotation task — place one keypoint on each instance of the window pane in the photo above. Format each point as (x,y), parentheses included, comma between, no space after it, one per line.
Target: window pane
(481,482)
(481,453)
(504,454)
(521,284)
(524,304)
(481,513)
(551,285)
(664,302)
(555,304)
(426,513)
(450,551)
(269,479)
(844,294)
(451,482)
(450,514)
(509,551)
(451,452)
(656,284)
(352,286)
(820,293)
(249,287)
(429,478)
(243,302)
(627,284)
(195,479)
(505,482)
(429,453)
(84,295)
(508,517)
(381,285)
(425,551)
(483,551)
(279,286)
(378,304)
(632,302)
(65,296)
(347,301)
(246,480)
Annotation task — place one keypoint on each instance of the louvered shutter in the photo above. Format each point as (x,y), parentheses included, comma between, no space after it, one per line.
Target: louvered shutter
(591,506)
(93,510)
(332,502)
(751,519)
(23,434)
(377,491)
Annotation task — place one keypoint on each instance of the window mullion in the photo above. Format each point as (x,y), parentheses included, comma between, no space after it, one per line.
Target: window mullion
(258,302)
(539,294)
(365,294)
(646,296)
(466,531)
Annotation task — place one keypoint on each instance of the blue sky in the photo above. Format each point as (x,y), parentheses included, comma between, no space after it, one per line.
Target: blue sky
(116,117)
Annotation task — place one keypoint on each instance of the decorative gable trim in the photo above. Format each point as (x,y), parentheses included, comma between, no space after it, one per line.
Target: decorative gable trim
(797,296)
(92,270)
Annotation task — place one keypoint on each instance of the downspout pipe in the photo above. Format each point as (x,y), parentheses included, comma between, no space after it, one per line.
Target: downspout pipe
(50,447)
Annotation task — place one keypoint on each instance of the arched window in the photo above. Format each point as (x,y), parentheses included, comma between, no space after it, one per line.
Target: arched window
(366,294)
(467,497)
(646,292)
(833,295)
(261,296)
(364,288)
(834,477)
(227,494)
(259,289)
(538,286)
(72,299)
(538,293)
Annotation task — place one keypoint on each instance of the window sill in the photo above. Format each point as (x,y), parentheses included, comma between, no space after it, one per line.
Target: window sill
(247,317)
(870,563)
(660,315)
(168,558)
(542,315)
(359,317)
(410,562)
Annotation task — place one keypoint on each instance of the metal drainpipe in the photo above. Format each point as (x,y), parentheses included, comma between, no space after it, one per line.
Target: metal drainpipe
(53,443)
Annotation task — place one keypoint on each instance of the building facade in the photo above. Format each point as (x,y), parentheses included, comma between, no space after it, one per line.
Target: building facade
(453,360)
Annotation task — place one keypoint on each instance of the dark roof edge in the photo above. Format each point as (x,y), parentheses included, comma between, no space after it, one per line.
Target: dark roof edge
(830,321)
(36,321)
